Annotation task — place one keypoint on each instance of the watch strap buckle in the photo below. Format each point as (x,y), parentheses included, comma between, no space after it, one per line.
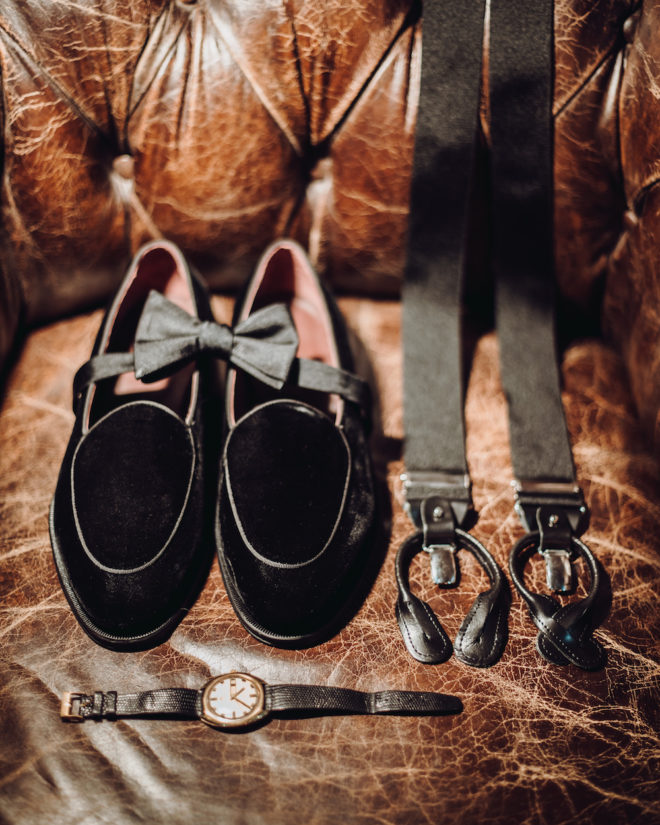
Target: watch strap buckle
(71,706)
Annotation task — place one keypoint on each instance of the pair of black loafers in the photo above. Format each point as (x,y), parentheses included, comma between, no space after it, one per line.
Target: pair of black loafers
(156,473)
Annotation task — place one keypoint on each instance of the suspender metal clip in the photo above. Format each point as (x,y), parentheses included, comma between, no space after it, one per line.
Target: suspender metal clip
(555,547)
(439,533)
(438,503)
(558,512)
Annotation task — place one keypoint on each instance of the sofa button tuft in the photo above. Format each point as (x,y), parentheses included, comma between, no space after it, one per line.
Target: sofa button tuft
(630,27)
(124,166)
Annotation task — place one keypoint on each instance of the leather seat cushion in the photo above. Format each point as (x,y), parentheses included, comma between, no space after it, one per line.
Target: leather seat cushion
(534,742)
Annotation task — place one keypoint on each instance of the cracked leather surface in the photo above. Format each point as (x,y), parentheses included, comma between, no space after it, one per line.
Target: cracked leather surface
(227,154)
(535,744)
(126,121)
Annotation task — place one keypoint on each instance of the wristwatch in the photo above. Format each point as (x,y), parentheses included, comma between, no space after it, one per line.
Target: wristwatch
(240,700)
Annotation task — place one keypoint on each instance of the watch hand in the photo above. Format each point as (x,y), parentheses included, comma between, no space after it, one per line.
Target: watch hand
(245,704)
(233,694)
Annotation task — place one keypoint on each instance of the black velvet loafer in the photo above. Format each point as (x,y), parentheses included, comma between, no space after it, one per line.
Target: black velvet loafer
(296,507)
(127,521)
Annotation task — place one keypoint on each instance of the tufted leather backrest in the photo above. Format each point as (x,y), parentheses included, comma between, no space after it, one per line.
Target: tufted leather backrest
(222,124)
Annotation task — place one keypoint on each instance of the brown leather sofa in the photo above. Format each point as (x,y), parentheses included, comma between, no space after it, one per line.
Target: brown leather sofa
(222,124)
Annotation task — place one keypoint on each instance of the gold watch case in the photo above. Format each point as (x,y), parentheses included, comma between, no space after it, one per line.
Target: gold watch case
(233,700)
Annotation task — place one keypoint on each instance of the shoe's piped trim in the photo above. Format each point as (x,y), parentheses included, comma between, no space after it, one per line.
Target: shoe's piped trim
(237,520)
(79,531)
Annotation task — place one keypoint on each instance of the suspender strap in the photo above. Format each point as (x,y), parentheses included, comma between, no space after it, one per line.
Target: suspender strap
(521,76)
(433,285)
(521,72)
(436,480)
(548,500)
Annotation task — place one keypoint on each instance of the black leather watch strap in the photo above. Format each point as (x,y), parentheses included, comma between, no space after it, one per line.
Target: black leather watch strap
(238,700)
(329,700)
(179,703)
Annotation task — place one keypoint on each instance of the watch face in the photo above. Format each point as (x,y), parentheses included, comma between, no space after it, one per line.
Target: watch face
(233,700)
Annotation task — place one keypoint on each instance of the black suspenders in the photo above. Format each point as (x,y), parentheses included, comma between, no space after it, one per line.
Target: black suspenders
(436,480)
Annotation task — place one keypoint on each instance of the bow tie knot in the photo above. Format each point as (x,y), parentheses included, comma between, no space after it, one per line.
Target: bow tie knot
(167,337)
(216,339)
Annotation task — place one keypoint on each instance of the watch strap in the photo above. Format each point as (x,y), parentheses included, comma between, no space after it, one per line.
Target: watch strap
(184,703)
(321,700)
(166,703)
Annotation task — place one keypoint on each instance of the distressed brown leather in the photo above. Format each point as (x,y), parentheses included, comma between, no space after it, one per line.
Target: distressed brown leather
(536,743)
(246,120)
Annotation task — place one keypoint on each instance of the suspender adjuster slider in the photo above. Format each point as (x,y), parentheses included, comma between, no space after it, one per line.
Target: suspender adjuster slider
(564,498)
(453,489)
